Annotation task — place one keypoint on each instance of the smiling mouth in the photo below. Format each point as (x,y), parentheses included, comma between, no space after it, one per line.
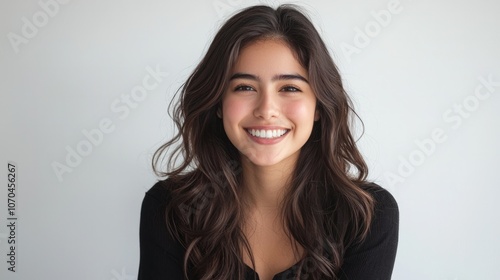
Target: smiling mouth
(267,133)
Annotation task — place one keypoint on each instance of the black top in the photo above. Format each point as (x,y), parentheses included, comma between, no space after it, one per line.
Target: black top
(161,257)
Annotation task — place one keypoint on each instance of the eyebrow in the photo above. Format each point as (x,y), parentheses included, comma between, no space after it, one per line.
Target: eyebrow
(275,77)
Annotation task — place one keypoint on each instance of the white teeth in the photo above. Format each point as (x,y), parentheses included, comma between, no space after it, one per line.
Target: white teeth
(267,133)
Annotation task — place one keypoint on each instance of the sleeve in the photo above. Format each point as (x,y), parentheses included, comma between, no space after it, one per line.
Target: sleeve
(160,257)
(374,258)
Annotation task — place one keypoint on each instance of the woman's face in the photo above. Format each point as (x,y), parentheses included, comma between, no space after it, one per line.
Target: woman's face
(268,109)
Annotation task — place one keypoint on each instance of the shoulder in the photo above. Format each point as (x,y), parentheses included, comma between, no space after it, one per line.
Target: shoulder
(153,225)
(160,191)
(376,254)
(161,254)
(386,211)
(155,203)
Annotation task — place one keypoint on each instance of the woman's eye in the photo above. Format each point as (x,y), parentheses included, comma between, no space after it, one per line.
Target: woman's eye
(290,89)
(244,88)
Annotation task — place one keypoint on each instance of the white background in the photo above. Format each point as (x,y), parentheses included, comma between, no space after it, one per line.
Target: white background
(407,79)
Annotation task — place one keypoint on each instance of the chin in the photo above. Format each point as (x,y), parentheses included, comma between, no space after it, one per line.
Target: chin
(267,161)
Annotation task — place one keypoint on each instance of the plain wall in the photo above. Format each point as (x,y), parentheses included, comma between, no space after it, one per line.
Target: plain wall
(425,80)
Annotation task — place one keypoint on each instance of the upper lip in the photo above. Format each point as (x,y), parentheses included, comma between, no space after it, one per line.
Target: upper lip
(262,127)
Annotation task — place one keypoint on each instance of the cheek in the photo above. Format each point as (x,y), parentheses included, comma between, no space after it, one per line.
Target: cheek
(301,111)
(234,110)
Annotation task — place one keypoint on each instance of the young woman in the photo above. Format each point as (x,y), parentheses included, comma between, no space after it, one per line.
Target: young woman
(267,182)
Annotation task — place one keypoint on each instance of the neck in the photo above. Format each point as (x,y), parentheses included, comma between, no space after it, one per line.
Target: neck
(265,186)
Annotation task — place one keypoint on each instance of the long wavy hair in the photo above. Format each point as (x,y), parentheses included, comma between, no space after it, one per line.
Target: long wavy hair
(326,208)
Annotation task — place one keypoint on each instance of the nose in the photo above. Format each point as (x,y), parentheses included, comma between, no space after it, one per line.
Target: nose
(267,106)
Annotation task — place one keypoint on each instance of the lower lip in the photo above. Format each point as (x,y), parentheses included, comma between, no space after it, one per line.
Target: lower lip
(267,141)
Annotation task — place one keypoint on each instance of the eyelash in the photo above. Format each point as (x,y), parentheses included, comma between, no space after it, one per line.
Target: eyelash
(288,88)
(243,88)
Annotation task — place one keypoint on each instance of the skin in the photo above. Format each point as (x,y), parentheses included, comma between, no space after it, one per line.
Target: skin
(268,90)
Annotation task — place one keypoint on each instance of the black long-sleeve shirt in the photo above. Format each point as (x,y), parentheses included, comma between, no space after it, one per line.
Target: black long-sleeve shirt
(161,257)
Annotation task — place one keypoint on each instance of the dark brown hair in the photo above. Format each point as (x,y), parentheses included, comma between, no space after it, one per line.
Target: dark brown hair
(326,208)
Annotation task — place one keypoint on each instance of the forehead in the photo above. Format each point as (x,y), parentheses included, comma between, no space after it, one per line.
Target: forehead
(268,57)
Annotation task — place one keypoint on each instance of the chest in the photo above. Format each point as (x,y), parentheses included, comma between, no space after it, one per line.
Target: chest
(272,249)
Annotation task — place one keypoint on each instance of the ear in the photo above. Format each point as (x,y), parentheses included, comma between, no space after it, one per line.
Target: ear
(219,112)
(316,115)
